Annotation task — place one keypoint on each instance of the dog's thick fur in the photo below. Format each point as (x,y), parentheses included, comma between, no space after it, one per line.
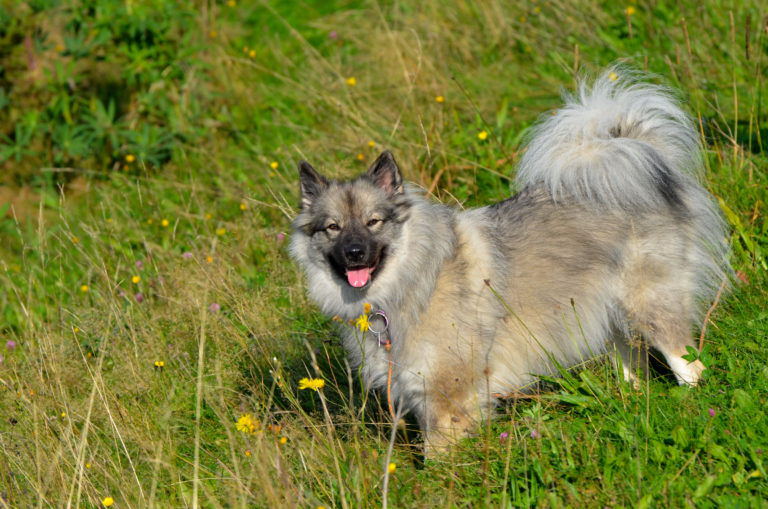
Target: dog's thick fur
(611,238)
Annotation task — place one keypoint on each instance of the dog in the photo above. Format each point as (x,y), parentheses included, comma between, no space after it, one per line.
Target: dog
(612,244)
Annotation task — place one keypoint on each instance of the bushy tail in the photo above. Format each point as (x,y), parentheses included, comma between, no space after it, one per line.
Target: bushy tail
(620,143)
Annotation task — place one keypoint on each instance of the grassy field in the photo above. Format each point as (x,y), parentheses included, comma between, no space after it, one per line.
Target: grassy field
(153,331)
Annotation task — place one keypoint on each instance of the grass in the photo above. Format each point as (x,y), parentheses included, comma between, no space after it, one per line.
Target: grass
(201,210)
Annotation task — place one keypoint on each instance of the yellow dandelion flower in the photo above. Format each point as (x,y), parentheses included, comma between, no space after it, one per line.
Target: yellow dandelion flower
(108,501)
(360,157)
(314,383)
(130,158)
(362,323)
(75,240)
(63,414)
(87,465)
(482,135)
(613,76)
(247,424)
(274,165)
(221,231)
(149,221)
(283,440)
(537,10)
(440,99)
(159,364)
(109,219)
(84,288)
(248,452)
(77,329)
(208,259)
(367,307)
(165,223)
(243,206)
(245,49)
(59,48)
(630,10)
(135,279)
(351,81)
(252,54)
(212,34)
(371,143)
(391,468)
(522,19)
(231,3)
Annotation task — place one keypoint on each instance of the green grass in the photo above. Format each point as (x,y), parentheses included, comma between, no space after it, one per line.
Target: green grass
(85,413)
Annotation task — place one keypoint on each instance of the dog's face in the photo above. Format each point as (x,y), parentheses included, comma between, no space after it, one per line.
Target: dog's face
(353,225)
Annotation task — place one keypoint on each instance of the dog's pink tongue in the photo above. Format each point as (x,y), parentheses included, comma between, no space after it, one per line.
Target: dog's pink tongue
(358,277)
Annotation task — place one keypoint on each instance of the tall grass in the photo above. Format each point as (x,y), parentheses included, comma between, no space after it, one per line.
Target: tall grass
(132,390)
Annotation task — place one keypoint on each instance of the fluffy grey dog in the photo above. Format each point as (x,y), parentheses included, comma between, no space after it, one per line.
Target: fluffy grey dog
(611,238)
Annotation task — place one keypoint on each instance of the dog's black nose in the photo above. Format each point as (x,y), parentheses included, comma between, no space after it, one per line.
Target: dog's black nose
(355,252)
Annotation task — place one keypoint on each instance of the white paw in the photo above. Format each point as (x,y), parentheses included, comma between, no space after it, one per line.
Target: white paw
(687,373)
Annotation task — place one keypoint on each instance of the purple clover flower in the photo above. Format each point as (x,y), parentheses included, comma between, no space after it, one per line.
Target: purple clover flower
(535,434)
(139,297)
(187,255)
(712,412)
(503,436)
(214,307)
(10,345)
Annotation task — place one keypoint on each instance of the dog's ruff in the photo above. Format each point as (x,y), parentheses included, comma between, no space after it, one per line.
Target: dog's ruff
(611,238)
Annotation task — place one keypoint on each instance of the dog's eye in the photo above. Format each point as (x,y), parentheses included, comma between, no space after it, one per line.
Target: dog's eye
(333,227)
(372,222)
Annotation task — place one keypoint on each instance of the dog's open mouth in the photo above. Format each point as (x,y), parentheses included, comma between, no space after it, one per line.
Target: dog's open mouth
(360,277)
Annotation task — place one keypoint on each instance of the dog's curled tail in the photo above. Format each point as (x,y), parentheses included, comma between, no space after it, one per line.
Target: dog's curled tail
(620,143)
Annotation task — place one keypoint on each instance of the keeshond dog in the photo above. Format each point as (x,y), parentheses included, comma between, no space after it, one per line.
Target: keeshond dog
(612,244)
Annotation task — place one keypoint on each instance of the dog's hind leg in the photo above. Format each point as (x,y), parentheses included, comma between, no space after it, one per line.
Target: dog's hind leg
(666,326)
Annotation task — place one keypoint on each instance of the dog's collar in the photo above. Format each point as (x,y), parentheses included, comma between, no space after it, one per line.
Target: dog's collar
(382,332)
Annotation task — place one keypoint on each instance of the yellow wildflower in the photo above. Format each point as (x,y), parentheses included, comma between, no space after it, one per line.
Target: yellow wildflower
(207,216)
(165,223)
(84,288)
(208,259)
(440,99)
(629,10)
(371,143)
(351,81)
(252,54)
(108,501)
(311,383)
(243,206)
(367,307)
(613,76)
(247,452)
(135,279)
(221,231)
(482,135)
(273,165)
(391,468)
(283,440)
(212,34)
(247,424)
(362,323)
(75,240)
(130,158)
(159,364)
(149,221)
(231,3)
(63,414)
(360,157)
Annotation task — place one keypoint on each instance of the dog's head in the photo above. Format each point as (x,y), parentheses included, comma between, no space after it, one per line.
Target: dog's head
(353,224)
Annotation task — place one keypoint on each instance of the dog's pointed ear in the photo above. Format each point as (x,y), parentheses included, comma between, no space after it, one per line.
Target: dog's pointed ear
(311,182)
(386,174)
